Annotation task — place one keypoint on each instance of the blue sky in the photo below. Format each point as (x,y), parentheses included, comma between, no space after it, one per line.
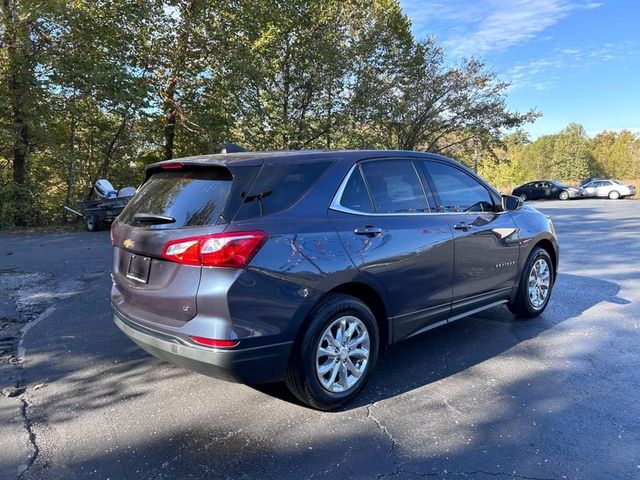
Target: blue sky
(573,60)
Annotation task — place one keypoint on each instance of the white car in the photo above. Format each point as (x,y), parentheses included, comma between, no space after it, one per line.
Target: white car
(613,189)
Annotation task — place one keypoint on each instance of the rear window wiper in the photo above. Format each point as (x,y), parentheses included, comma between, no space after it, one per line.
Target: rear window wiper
(152,218)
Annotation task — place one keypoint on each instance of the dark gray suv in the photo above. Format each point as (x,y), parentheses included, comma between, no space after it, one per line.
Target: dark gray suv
(304,266)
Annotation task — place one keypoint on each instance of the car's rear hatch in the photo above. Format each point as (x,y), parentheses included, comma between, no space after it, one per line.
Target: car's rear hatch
(177,201)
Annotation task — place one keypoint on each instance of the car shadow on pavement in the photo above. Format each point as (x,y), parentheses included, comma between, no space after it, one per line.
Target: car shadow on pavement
(458,346)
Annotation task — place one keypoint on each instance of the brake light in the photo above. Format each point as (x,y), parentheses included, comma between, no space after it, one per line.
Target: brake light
(210,342)
(171,166)
(230,250)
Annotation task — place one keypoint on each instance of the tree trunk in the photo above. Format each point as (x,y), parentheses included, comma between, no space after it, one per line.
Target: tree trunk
(20,69)
(170,108)
(170,116)
(106,163)
(286,78)
(72,154)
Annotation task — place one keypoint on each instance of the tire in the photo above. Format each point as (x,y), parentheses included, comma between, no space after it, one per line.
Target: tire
(523,197)
(92,223)
(523,306)
(614,195)
(564,195)
(303,377)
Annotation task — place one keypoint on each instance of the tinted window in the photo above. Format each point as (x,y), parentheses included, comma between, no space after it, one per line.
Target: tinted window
(278,187)
(395,186)
(355,195)
(458,191)
(192,198)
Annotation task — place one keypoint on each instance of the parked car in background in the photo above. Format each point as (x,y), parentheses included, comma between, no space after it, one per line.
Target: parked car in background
(547,189)
(587,180)
(305,266)
(613,189)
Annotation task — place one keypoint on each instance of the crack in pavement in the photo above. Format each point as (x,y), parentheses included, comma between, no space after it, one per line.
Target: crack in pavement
(400,470)
(381,427)
(398,467)
(505,474)
(392,439)
(24,410)
(28,425)
(34,296)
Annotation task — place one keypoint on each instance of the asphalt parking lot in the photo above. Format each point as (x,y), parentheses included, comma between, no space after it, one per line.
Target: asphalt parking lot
(483,398)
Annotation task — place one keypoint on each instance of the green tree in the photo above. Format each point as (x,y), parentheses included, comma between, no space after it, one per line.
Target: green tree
(572,159)
(286,72)
(431,105)
(21,40)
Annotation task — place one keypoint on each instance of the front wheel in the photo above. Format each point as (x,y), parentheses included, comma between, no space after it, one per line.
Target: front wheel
(523,197)
(564,195)
(334,358)
(536,283)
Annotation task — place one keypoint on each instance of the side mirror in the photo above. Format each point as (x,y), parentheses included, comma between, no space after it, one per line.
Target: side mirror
(511,202)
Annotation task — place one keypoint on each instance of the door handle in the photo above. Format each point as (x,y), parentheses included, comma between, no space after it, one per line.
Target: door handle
(462,226)
(368,230)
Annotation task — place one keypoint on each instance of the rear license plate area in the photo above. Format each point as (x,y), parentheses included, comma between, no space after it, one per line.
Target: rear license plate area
(139,267)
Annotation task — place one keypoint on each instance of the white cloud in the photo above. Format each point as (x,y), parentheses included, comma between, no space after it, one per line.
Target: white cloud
(543,73)
(477,28)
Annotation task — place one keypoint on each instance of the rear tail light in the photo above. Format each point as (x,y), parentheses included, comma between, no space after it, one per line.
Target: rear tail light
(230,250)
(210,342)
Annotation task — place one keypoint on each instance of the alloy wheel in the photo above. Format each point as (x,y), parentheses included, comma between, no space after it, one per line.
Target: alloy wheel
(342,355)
(539,283)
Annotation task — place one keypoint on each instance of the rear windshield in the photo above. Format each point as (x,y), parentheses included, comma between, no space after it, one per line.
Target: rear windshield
(192,198)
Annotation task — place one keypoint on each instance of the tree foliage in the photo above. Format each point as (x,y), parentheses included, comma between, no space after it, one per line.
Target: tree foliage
(569,155)
(94,89)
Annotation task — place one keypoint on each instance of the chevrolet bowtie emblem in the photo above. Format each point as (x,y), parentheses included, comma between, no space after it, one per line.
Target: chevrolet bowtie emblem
(128,243)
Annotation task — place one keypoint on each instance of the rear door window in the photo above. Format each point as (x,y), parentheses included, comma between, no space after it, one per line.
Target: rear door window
(278,187)
(395,186)
(192,198)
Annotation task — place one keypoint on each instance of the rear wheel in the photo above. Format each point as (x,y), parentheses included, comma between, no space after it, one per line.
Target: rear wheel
(523,197)
(536,283)
(334,358)
(564,195)
(614,195)
(92,223)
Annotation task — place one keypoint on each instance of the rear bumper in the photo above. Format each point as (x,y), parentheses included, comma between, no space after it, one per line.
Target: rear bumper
(253,365)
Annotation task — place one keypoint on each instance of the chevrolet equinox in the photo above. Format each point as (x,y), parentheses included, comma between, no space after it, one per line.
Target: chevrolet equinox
(304,266)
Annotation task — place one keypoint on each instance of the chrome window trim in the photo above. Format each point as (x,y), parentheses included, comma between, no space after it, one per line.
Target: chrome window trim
(336,206)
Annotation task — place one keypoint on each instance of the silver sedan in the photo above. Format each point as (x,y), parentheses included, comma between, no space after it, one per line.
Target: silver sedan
(613,189)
